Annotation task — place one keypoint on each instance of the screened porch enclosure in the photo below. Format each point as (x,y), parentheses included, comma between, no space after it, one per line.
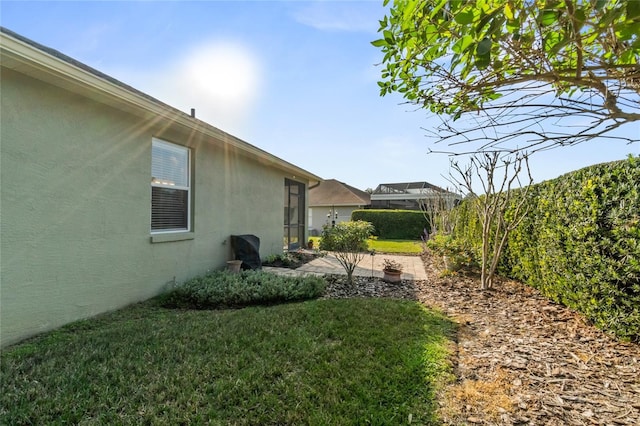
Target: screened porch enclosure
(294,214)
(411,196)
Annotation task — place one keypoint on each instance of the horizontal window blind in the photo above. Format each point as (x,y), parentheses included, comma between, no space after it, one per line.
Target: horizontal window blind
(170,187)
(169,209)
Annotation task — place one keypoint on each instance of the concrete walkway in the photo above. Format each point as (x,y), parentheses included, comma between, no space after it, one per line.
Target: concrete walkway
(412,267)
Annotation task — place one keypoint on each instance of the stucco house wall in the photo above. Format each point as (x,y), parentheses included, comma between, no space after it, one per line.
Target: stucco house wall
(75,169)
(318,216)
(336,199)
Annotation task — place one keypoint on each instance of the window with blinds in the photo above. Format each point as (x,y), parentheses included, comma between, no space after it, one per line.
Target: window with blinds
(170,187)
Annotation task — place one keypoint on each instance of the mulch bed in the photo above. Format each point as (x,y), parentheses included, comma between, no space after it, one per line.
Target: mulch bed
(519,358)
(292,260)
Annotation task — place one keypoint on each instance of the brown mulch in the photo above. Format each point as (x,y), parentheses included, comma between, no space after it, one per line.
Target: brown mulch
(293,259)
(520,358)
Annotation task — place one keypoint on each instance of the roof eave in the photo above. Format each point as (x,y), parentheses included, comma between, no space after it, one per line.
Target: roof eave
(29,58)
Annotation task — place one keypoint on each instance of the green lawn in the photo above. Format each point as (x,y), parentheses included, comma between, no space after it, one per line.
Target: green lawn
(317,362)
(396,246)
(387,246)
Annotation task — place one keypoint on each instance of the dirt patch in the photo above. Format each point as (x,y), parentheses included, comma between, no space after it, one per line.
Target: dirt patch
(519,358)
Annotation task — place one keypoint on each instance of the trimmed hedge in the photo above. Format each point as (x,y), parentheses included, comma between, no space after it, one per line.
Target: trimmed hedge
(394,224)
(580,244)
(222,289)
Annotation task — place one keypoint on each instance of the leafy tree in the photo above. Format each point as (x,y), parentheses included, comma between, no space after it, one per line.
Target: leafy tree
(525,74)
(348,241)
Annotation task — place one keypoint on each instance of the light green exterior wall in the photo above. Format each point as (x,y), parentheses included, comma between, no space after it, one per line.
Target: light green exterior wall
(318,216)
(75,207)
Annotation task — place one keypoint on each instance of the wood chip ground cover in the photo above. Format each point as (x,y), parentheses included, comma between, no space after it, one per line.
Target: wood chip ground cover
(519,358)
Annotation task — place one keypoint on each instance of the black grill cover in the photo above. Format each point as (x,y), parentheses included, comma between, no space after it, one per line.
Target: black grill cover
(247,249)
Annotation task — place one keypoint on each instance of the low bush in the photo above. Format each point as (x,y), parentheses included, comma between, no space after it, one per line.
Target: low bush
(222,289)
(456,250)
(394,224)
(348,241)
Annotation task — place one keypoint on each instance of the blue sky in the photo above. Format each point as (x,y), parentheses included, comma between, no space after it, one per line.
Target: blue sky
(297,79)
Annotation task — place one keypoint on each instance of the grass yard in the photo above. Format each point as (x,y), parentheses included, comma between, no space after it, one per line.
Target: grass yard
(395,246)
(351,361)
(387,246)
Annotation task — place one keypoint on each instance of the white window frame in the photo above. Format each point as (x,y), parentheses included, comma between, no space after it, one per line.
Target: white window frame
(162,182)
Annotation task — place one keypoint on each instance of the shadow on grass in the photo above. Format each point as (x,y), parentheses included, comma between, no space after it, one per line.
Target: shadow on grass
(348,361)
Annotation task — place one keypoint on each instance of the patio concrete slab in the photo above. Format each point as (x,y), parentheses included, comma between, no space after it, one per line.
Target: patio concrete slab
(370,266)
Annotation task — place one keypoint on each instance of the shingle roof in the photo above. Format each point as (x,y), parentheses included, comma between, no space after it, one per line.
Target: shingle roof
(68,59)
(331,192)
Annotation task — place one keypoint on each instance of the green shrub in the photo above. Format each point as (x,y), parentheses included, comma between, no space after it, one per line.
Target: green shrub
(394,224)
(222,289)
(458,253)
(580,244)
(468,228)
(348,241)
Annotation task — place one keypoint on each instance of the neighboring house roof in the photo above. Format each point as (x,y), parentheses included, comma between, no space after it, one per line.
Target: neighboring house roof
(43,63)
(331,192)
(410,191)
